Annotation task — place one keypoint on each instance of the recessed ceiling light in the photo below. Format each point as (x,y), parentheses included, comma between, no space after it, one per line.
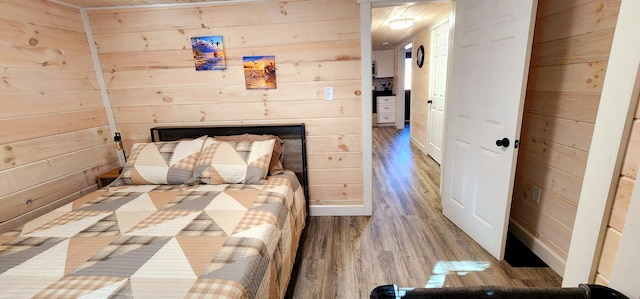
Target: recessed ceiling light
(401,23)
(385,43)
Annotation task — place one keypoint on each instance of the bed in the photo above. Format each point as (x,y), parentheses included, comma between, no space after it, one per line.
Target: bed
(219,219)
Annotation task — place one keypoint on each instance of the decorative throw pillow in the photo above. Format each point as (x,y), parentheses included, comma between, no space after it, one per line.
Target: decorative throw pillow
(233,162)
(275,165)
(169,163)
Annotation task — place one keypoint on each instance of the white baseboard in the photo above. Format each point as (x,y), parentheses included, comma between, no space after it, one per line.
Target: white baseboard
(335,210)
(555,262)
(419,145)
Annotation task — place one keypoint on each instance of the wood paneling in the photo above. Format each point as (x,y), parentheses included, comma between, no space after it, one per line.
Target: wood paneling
(543,224)
(108,3)
(621,203)
(36,197)
(47,39)
(564,105)
(626,183)
(572,18)
(42,12)
(235,93)
(30,103)
(336,143)
(286,72)
(251,111)
(175,42)
(551,179)
(420,91)
(38,149)
(609,250)
(54,136)
(147,62)
(571,45)
(631,160)
(22,177)
(546,8)
(334,160)
(555,155)
(25,128)
(574,134)
(22,80)
(575,49)
(554,205)
(218,17)
(580,77)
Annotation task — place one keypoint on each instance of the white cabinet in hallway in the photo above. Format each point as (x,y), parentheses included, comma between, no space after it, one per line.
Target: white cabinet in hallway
(386,110)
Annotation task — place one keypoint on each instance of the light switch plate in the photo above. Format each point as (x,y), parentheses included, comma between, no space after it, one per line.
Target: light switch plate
(535,194)
(328,93)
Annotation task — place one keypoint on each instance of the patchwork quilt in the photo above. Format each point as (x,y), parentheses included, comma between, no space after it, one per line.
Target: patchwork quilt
(160,241)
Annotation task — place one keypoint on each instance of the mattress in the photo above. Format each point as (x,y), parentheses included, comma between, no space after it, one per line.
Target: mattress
(160,241)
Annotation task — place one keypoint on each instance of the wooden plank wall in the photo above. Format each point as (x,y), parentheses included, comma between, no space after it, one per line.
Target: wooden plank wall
(148,66)
(54,135)
(626,183)
(572,41)
(420,91)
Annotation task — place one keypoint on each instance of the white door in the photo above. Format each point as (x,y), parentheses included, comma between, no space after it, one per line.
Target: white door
(437,89)
(485,96)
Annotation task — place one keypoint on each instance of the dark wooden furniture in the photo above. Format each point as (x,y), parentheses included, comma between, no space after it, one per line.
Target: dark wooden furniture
(108,177)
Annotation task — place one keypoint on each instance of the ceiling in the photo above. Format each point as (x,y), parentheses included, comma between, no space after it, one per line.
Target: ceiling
(383,37)
(424,15)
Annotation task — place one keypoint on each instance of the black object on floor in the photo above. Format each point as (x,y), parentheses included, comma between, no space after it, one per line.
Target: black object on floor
(583,291)
(518,255)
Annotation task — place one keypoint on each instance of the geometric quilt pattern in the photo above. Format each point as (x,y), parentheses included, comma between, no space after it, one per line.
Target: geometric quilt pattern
(161,162)
(233,162)
(164,241)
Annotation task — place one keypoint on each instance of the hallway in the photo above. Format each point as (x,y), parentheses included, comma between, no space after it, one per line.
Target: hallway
(407,241)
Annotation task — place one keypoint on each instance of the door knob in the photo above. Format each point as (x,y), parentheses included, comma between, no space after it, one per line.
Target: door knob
(503,142)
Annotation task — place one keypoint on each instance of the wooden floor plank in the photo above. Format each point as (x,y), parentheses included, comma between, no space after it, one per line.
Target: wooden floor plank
(347,257)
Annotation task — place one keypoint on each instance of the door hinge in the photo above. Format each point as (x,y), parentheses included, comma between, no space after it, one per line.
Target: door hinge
(516,143)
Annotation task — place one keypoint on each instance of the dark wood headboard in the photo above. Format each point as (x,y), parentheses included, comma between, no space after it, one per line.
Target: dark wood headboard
(293,136)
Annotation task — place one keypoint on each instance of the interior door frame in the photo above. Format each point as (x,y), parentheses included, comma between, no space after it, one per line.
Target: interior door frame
(618,101)
(579,267)
(446,20)
(400,86)
(367,105)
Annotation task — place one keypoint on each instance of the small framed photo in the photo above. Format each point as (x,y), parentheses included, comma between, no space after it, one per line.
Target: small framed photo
(259,72)
(208,53)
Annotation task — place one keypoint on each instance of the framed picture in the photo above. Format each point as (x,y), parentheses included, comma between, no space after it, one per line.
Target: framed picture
(208,53)
(259,72)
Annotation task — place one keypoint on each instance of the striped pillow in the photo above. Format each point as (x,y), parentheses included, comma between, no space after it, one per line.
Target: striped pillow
(169,163)
(233,162)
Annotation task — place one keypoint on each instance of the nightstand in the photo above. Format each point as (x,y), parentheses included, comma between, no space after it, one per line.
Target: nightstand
(108,177)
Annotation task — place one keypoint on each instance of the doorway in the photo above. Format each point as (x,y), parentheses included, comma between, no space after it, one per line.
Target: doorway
(437,87)
(425,110)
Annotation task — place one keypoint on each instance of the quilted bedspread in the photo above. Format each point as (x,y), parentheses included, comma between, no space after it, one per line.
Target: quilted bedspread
(158,241)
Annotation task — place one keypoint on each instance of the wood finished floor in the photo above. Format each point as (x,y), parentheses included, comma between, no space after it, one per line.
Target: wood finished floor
(346,257)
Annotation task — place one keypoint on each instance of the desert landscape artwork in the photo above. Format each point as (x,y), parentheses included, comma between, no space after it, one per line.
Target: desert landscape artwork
(259,72)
